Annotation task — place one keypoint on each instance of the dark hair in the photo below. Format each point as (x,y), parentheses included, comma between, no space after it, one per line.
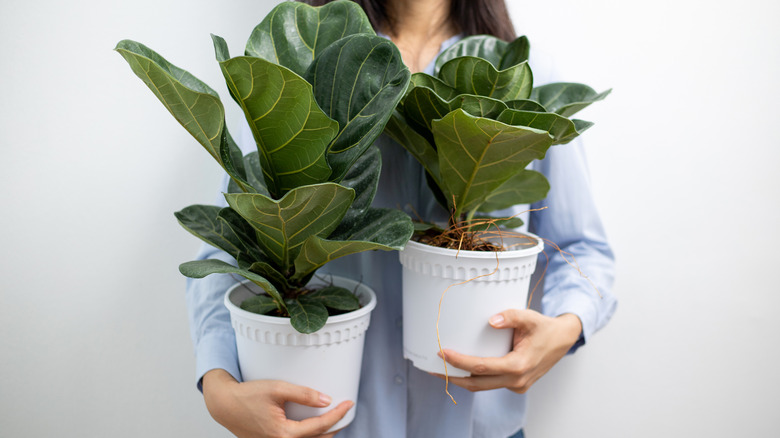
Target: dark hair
(471,17)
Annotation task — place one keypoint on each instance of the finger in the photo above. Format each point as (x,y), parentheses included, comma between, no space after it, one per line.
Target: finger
(285,391)
(479,383)
(319,425)
(479,365)
(514,318)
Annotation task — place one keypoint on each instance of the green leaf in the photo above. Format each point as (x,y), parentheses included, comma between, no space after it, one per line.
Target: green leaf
(477,155)
(383,229)
(525,105)
(561,128)
(206,223)
(422,106)
(282,226)
(566,98)
(515,53)
(363,178)
(260,304)
(358,81)
(254,175)
(333,297)
(437,85)
(291,131)
(202,268)
(293,33)
(305,316)
(486,47)
(191,102)
(421,149)
(525,187)
(270,273)
(469,75)
(488,223)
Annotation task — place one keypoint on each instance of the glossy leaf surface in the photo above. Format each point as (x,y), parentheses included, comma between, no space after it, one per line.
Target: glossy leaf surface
(260,304)
(378,228)
(293,33)
(566,98)
(202,268)
(525,187)
(333,297)
(477,155)
(305,316)
(291,131)
(284,225)
(487,47)
(423,151)
(192,103)
(206,223)
(470,75)
(357,82)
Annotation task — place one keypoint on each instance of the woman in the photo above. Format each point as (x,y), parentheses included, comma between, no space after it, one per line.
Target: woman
(396,400)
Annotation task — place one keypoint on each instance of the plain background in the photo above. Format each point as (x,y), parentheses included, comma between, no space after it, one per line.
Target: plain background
(684,163)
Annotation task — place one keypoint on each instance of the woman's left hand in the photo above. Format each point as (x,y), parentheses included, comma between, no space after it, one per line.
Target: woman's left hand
(539,343)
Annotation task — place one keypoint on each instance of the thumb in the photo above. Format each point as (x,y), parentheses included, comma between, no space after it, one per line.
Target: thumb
(513,318)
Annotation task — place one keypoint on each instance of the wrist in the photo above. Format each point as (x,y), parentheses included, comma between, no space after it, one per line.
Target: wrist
(570,327)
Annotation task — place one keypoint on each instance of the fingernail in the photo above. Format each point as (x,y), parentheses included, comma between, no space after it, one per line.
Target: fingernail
(324,399)
(497,319)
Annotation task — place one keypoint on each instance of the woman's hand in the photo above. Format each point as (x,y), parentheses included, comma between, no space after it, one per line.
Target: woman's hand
(256,408)
(539,343)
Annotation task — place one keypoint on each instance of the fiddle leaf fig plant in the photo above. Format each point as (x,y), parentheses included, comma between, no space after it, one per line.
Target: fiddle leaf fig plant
(317,86)
(478,122)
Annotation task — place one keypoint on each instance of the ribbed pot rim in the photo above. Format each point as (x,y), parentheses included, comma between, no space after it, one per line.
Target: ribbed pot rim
(362,288)
(507,254)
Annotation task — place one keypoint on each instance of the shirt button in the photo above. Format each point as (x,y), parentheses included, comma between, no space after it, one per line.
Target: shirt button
(398,379)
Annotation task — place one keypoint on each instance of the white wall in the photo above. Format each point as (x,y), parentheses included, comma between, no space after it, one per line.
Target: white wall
(93,332)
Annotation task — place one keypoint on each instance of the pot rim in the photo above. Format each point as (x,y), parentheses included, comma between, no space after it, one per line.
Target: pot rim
(280,320)
(510,253)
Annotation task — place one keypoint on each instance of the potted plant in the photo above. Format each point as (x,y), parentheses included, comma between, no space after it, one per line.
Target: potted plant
(315,100)
(475,126)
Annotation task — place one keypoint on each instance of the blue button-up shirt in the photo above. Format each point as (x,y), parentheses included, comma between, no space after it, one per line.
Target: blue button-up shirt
(396,400)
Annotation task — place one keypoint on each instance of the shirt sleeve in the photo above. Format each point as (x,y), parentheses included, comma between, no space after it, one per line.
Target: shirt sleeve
(580,273)
(212,335)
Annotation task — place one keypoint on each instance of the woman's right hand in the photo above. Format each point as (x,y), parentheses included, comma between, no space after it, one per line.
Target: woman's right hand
(256,408)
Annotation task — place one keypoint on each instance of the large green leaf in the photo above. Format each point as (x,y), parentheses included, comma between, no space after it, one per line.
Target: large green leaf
(439,87)
(333,297)
(561,128)
(421,149)
(284,225)
(207,223)
(254,175)
(358,81)
(516,52)
(291,131)
(422,106)
(202,268)
(363,178)
(260,304)
(477,155)
(305,316)
(293,33)
(487,47)
(469,75)
(191,102)
(525,187)
(384,229)
(566,98)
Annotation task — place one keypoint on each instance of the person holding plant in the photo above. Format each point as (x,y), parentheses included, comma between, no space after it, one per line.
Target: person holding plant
(397,400)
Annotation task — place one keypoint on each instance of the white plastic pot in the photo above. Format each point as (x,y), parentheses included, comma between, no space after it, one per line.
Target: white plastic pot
(327,360)
(465,308)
